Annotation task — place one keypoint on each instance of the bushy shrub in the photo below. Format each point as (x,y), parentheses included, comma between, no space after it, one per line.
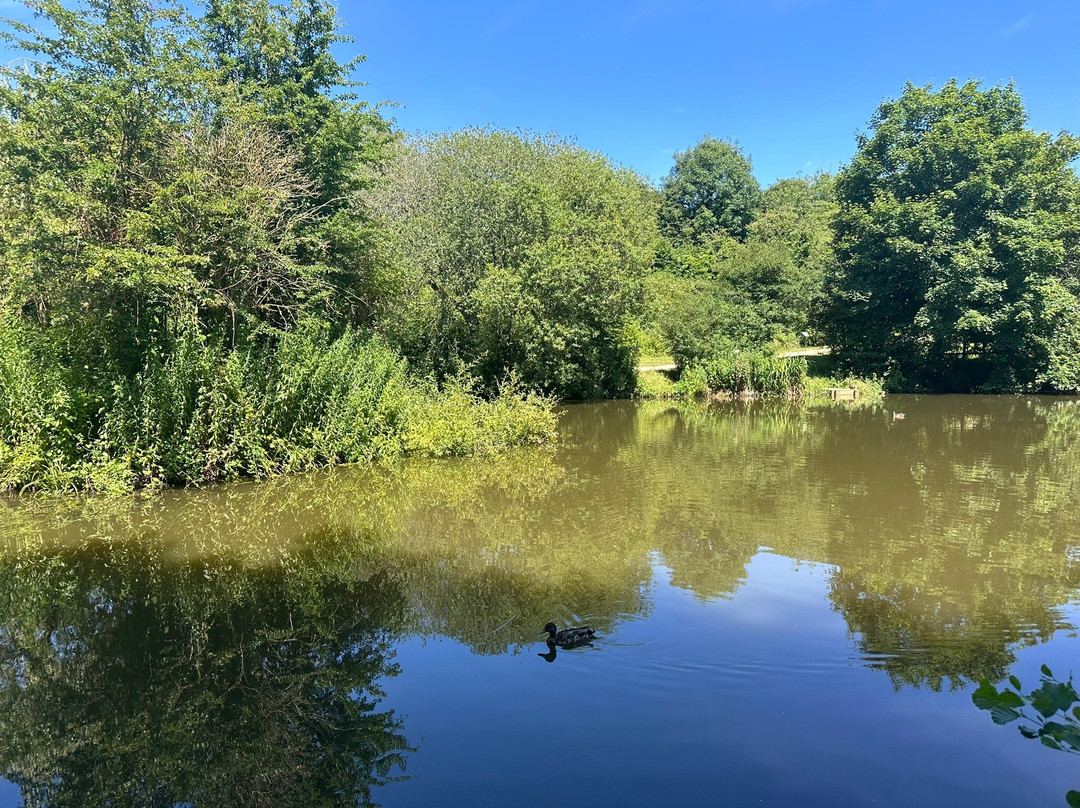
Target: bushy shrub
(870,389)
(516,253)
(691,383)
(206,413)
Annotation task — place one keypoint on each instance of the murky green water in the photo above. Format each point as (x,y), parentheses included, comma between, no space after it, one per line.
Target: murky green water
(793,605)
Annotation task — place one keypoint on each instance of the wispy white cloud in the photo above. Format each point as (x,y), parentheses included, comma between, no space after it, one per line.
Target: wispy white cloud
(1021,24)
(510,17)
(653,10)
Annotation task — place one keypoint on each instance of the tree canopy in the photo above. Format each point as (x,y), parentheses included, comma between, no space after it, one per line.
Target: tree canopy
(518,255)
(710,190)
(188,277)
(958,246)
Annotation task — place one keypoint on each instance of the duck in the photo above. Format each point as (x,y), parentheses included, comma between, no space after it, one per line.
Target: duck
(568,636)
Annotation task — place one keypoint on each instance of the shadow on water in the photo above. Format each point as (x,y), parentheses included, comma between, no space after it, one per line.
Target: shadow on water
(229,646)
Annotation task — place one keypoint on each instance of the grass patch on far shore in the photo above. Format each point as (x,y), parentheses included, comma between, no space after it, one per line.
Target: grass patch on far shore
(870,390)
(696,382)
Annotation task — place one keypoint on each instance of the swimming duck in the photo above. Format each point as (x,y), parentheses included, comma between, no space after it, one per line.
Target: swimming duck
(568,636)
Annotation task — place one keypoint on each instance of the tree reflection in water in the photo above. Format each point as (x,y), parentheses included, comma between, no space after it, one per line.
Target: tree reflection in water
(127,682)
(227,646)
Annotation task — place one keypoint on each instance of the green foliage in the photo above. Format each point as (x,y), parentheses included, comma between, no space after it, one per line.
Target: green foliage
(710,191)
(187,271)
(1054,715)
(272,65)
(870,389)
(719,293)
(1049,713)
(516,253)
(454,421)
(729,372)
(740,373)
(691,383)
(207,413)
(699,320)
(958,240)
(148,176)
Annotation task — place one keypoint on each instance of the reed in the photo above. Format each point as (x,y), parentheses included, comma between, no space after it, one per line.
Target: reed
(739,373)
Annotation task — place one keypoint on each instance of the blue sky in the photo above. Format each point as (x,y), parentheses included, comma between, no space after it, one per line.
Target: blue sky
(791,80)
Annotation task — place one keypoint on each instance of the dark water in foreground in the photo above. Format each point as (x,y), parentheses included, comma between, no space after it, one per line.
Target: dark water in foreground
(793,605)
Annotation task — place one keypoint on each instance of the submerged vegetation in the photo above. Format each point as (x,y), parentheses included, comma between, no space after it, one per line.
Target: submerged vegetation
(217,261)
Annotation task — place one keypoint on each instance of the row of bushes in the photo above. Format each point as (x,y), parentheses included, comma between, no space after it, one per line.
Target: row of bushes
(208,413)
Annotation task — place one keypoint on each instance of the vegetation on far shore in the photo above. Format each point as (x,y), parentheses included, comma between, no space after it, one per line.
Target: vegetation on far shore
(217,261)
(754,376)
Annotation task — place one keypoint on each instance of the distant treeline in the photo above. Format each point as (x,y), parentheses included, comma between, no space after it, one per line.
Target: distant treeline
(216,260)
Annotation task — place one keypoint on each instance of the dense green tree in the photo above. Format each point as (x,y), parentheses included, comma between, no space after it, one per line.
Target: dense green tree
(187,272)
(796,217)
(958,241)
(517,254)
(274,65)
(720,293)
(710,190)
(158,167)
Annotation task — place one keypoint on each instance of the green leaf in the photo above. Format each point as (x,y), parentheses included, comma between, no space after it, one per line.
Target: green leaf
(1052,697)
(1014,682)
(1046,671)
(1073,799)
(985,695)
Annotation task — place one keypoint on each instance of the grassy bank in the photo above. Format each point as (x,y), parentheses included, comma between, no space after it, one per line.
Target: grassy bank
(869,390)
(208,414)
(750,375)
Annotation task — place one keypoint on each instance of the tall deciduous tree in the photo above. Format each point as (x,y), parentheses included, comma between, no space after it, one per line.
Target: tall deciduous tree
(958,240)
(517,253)
(710,190)
(156,168)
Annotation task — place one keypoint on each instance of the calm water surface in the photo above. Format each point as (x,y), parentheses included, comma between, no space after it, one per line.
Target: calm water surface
(794,606)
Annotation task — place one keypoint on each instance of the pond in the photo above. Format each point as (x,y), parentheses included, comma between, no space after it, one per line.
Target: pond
(793,606)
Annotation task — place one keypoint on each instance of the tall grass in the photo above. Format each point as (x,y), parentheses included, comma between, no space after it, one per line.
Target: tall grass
(744,373)
(730,373)
(205,414)
(870,390)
